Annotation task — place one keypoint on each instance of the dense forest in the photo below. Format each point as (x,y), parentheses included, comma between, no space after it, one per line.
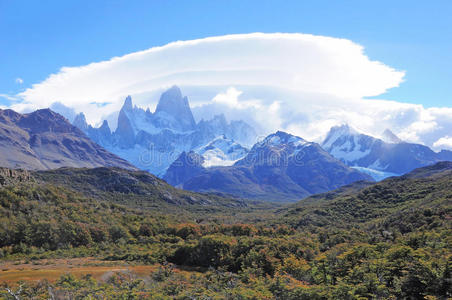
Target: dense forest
(389,240)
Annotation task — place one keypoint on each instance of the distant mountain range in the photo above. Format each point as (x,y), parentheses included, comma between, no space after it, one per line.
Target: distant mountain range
(45,140)
(282,167)
(152,141)
(209,155)
(380,158)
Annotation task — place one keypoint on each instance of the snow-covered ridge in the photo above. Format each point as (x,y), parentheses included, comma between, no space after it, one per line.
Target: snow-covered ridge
(380,158)
(279,147)
(348,144)
(221,151)
(282,138)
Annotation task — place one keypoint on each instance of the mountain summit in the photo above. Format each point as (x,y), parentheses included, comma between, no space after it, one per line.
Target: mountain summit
(173,111)
(380,158)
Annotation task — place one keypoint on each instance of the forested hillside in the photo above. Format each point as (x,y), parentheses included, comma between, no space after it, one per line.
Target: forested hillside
(389,240)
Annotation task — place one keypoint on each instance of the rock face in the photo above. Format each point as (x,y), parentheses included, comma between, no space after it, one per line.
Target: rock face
(125,132)
(282,167)
(152,141)
(173,111)
(11,176)
(45,140)
(389,158)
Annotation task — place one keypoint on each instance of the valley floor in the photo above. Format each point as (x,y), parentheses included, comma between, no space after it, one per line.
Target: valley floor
(13,272)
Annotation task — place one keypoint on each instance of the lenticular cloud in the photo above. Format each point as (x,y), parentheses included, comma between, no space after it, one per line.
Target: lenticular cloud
(300,83)
(303,62)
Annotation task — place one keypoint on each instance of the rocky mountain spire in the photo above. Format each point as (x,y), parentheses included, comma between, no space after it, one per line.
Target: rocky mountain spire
(125,130)
(128,104)
(174,110)
(80,122)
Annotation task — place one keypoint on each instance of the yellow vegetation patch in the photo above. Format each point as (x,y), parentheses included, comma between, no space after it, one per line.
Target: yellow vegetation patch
(51,270)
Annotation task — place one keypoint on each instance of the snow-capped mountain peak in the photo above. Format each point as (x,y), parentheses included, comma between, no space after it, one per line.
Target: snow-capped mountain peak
(378,157)
(347,144)
(278,146)
(337,132)
(281,138)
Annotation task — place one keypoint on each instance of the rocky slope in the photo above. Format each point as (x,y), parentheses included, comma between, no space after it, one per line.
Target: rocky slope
(44,140)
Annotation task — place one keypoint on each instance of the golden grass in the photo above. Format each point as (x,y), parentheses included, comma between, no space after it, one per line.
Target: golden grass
(52,270)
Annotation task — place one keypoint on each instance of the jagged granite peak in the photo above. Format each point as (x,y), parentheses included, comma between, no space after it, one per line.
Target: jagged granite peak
(163,135)
(389,137)
(105,128)
(128,106)
(173,111)
(46,140)
(171,98)
(125,131)
(80,122)
(101,135)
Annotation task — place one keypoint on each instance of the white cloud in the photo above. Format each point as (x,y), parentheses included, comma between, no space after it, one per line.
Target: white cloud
(443,143)
(299,62)
(296,82)
(231,99)
(19,80)
(9,97)
(312,115)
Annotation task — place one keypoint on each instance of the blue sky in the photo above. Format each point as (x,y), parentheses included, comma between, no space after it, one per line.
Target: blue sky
(37,38)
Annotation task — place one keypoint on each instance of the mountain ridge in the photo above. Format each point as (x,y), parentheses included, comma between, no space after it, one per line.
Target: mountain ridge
(394,158)
(44,139)
(282,167)
(153,140)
